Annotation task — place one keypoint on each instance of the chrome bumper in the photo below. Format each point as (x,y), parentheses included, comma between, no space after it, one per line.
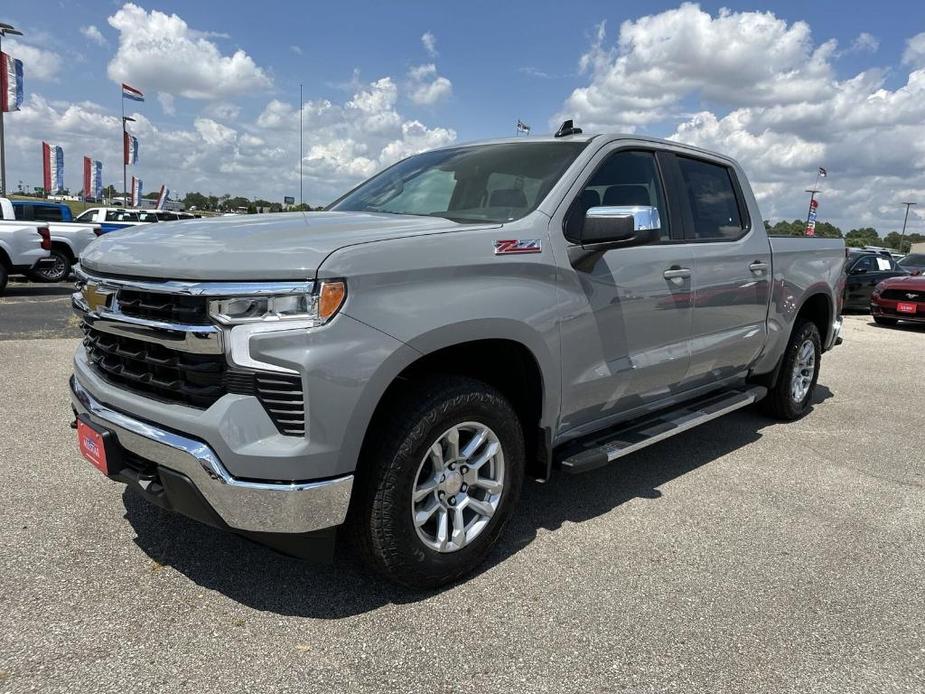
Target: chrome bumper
(835,338)
(298,507)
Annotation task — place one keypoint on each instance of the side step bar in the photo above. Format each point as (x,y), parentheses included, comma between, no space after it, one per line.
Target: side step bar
(616,443)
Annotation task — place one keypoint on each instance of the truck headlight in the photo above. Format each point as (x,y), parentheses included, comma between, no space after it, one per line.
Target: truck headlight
(314,308)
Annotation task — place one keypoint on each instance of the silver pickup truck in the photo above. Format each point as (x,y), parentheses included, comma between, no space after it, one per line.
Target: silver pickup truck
(468,317)
(24,248)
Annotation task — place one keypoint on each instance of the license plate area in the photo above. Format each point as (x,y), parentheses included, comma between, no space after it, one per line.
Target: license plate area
(99,446)
(905,307)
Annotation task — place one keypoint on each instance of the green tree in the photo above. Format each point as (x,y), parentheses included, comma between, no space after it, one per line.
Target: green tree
(865,236)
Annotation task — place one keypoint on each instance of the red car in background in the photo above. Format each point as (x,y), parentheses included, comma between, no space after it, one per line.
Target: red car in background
(899,298)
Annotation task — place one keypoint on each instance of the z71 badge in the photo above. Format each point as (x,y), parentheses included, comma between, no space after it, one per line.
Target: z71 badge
(517,246)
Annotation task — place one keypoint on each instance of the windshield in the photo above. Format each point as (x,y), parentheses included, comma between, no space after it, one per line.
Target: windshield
(913,259)
(488,183)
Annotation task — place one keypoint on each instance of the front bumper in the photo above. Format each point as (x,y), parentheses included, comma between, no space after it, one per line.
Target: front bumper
(835,336)
(243,505)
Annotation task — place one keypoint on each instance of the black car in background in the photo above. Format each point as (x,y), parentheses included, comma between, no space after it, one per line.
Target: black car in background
(914,263)
(864,270)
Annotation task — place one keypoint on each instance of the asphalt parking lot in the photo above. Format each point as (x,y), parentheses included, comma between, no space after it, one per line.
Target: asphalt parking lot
(744,556)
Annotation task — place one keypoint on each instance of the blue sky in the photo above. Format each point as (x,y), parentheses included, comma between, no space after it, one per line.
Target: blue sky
(489,64)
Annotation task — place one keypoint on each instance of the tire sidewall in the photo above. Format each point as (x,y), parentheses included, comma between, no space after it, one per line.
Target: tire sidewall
(806,331)
(393,500)
(57,254)
(4,278)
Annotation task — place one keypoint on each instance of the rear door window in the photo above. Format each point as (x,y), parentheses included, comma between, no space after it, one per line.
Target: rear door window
(47,213)
(709,190)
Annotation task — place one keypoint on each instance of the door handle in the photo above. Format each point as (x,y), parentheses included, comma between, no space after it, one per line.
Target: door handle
(677,274)
(758,267)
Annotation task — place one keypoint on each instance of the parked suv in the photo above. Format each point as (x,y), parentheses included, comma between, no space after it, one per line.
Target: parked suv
(468,317)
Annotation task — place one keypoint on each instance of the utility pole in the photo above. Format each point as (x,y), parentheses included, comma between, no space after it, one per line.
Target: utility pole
(301,103)
(905,219)
(5,29)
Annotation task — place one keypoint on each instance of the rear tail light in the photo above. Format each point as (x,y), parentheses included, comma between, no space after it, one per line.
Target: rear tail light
(46,238)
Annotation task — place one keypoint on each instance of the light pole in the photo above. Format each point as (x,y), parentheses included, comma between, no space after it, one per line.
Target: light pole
(905,219)
(5,30)
(301,108)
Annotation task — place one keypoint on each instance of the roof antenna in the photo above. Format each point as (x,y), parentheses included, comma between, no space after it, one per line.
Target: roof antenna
(567,129)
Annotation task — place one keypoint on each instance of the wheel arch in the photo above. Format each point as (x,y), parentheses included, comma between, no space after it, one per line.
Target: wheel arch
(505,362)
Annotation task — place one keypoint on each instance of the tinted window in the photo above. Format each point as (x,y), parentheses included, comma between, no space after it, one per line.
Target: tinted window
(712,200)
(913,259)
(86,216)
(874,263)
(494,183)
(120,216)
(47,213)
(626,179)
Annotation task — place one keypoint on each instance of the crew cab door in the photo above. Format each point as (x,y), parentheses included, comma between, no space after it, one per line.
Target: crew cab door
(627,323)
(731,264)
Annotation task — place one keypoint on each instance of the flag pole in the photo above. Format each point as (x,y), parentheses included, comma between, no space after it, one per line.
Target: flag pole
(124,182)
(301,108)
(2,152)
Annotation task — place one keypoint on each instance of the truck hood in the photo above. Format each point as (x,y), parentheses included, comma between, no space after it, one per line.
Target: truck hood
(282,246)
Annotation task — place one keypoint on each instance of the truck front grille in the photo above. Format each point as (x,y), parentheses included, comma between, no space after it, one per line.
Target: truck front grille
(169,308)
(196,380)
(145,367)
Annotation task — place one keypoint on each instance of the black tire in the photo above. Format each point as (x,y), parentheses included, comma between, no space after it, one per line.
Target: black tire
(53,273)
(880,320)
(4,278)
(780,401)
(381,520)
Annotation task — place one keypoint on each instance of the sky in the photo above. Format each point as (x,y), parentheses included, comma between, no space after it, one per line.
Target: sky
(783,87)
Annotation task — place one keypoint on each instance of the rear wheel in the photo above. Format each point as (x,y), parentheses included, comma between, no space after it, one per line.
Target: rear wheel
(880,320)
(790,397)
(57,271)
(442,478)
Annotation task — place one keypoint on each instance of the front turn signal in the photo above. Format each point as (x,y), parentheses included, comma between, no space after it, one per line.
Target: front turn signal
(331,298)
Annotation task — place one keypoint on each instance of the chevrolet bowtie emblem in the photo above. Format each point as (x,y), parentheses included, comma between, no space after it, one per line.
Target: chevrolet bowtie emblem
(96,296)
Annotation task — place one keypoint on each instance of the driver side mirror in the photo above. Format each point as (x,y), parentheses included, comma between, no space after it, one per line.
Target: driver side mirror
(859,271)
(620,227)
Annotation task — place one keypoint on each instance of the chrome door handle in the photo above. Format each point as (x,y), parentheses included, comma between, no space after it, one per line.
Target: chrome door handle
(758,267)
(676,275)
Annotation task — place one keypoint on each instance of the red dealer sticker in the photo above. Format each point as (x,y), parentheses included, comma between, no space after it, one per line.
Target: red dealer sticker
(903,307)
(92,447)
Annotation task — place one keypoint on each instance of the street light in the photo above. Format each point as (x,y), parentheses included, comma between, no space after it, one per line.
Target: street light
(5,30)
(905,219)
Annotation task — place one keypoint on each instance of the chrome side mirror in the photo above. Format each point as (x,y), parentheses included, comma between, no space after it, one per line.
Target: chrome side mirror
(625,225)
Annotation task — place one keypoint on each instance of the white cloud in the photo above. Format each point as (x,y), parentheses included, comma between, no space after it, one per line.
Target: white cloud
(296,49)
(93,34)
(865,43)
(762,90)
(343,143)
(168,103)
(426,87)
(914,55)
(38,63)
(159,51)
(429,41)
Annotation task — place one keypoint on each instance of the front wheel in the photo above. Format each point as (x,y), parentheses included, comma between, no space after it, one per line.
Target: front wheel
(442,477)
(790,397)
(57,271)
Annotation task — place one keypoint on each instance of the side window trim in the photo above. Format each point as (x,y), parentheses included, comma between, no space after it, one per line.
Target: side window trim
(673,229)
(689,234)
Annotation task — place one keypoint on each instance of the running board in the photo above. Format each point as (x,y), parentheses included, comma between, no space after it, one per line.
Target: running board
(616,443)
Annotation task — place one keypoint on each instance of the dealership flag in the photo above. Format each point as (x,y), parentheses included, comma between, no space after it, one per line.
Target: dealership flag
(93,179)
(10,83)
(162,197)
(522,127)
(136,192)
(823,172)
(130,147)
(132,93)
(52,168)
